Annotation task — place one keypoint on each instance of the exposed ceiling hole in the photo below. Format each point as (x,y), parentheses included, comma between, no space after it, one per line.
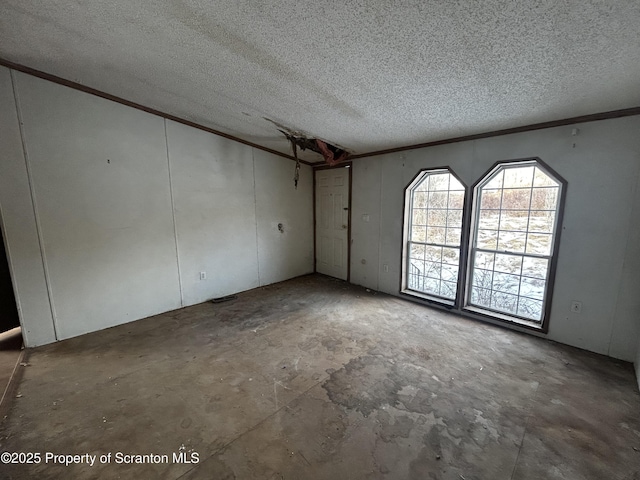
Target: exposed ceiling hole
(332,154)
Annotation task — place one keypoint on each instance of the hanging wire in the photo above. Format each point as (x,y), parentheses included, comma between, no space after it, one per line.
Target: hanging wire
(296,176)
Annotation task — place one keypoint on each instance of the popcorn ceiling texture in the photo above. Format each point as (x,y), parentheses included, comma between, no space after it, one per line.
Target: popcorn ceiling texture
(363,75)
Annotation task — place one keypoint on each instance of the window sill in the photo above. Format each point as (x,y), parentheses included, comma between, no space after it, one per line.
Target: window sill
(503,318)
(428,298)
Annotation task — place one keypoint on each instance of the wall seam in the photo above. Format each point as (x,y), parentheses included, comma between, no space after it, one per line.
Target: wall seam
(255,213)
(173,214)
(379,229)
(34,204)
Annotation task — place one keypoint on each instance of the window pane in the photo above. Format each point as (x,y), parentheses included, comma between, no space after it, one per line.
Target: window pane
(432,286)
(422,186)
(453,236)
(437,202)
(454,218)
(544,198)
(506,283)
(512,241)
(518,177)
(490,199)
(529,308)
(516,198)
(541,179)
(484,260)
(451,256)
(539,243)
(436,235)
(438,199)
(535,267)
(481,297)
(448,289)
(432,270)
(439,181)
(488,239)
(433,254)
(449,273)
(437,218)
(456,199)
(496,181)
(419,216)
(420,199)
(532,287)
(455,185)
(542,222)
(417,251)
(515,225)
(489,219)
(508,263)
(418,234)
(514,220)
(504,302)
(482,278)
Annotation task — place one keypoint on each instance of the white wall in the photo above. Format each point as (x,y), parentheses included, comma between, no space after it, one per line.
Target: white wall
(288,253)
(213,195)
(111,213)
(19,225)
(599,251)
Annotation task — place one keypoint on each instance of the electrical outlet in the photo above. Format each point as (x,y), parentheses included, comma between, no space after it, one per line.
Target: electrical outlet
(576,307)
(203,275)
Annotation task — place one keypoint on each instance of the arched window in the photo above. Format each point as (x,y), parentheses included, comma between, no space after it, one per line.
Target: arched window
(513,240)
(433,229)
(499,260)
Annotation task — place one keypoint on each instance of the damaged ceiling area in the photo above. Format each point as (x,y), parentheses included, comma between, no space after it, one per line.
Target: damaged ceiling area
(358,76)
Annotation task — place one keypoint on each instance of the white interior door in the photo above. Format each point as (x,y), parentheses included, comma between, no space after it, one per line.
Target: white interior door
(332,222)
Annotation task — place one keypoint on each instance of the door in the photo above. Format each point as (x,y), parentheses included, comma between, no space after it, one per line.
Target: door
(332,221)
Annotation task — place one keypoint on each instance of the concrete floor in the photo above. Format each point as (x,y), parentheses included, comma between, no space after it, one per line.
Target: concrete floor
(317,379)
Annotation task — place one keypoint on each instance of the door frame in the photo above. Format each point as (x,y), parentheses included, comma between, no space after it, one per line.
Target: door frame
(348,166)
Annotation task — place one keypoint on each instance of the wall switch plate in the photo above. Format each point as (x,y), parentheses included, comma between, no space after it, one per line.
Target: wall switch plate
(576,307)
(365,217)
(386,267)
(203,275)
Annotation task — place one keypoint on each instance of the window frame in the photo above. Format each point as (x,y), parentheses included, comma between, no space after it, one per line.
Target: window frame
(543,324)
(469,221)
(406,238)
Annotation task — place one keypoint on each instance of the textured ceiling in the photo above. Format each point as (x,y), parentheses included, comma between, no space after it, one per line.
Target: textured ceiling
(363,75)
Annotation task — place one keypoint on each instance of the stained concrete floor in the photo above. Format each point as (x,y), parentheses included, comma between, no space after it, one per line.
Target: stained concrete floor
(317,379)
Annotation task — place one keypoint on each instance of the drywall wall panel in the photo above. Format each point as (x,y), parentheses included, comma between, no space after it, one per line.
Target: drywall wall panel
(365,224)
(213,196)
(392,181)
(19,226)
(397,171)
(626,326)
(287,253)
(601,165)
(101,182)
